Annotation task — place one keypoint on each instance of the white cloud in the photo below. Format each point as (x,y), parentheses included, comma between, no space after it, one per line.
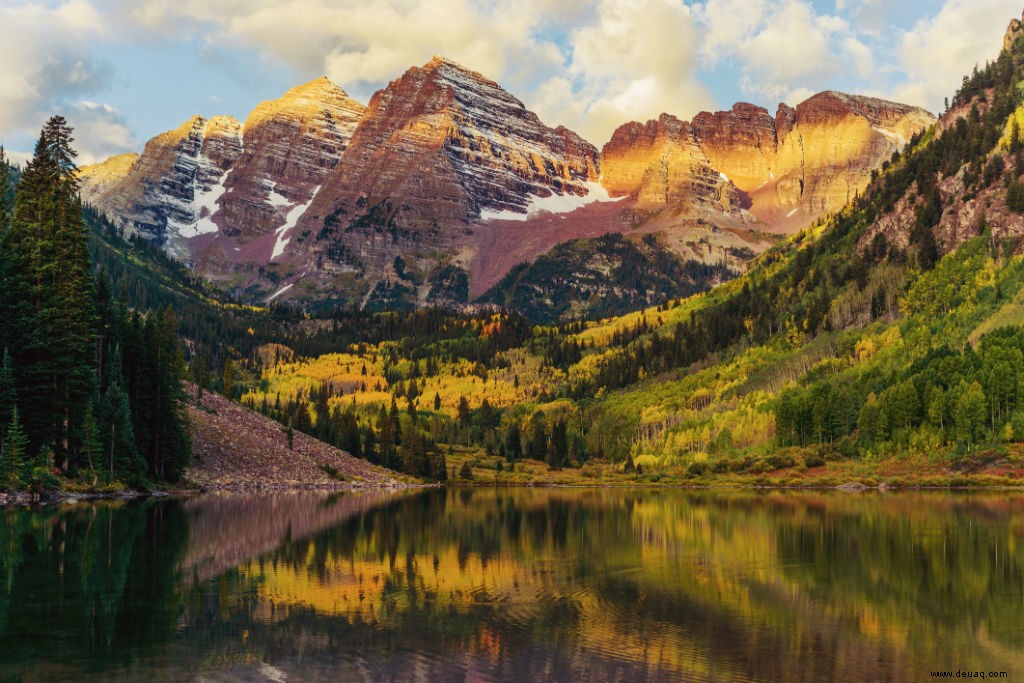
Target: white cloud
(363,45)
(726,23)
(44,60)
(616,61)
(100,132)
(635,60)
(784,50)
(938,51)
(588,64)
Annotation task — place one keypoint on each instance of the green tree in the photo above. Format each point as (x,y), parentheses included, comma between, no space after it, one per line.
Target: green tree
(871,423)
(557,455)
(513,443)
(46,286)
(15,463)
(8,397)
(969,415)
(229,378)
(5,192)
(92,445)
(117,435)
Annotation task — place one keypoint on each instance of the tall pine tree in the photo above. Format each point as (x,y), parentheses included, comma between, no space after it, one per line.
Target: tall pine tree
(47,291)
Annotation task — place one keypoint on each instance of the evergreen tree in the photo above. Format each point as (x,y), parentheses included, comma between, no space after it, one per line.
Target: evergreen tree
(8,397)
(120,455)
(15,460)
(229,378)
(5,193)
(92,446)
(170,449)
(46,286)
(557,455)
(513,443)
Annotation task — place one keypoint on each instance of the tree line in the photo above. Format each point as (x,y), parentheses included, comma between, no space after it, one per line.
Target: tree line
(89,388)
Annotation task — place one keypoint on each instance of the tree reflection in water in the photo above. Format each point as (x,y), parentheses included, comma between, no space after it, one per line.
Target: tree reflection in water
(515,584)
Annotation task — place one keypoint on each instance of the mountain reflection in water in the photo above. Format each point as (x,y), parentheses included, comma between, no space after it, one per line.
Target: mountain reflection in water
(514,584)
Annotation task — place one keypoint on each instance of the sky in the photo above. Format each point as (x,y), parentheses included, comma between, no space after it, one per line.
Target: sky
(122,71)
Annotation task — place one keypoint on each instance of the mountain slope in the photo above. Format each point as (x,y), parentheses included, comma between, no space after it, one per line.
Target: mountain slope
(785,171)
(602,277)
(234,447)
(873,343)
(446,181)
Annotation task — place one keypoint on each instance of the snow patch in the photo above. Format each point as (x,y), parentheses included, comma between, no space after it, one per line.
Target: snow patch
(792,212)
(556,203)
(892,136)
(279,292)
(205,205)
(275,198)
(273,674)
(291,217)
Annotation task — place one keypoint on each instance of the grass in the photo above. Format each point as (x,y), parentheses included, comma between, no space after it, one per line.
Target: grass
(920,471)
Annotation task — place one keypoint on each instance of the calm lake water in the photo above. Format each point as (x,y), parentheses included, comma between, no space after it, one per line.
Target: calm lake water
(515,585)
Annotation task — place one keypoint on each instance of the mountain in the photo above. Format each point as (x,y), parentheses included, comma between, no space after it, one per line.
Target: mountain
(592,278)
(438,150)
(883,345)
(786,171)
(217,192)
(445,182)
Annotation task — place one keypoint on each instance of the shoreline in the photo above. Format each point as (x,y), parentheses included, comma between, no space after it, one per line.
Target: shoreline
(27,499)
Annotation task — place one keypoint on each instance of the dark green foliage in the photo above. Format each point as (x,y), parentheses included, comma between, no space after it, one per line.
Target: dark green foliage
(601,277)
(14,463)
(449,284)
(46,290)
(967,398)
(8,397)
(6,191)
(96,386)
(117,436)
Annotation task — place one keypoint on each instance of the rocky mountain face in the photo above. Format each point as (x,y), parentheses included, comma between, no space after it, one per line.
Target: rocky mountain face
(445,182)
(973,182)
(784,170)
(439,150)
(164,194)
(219,178)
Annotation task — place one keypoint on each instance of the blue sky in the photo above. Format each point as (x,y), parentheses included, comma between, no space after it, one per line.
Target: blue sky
(124,70)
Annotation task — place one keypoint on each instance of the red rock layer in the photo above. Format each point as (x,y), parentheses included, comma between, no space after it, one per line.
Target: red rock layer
(792,168)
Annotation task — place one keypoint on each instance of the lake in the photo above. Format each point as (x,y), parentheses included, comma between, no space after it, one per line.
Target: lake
(515,585)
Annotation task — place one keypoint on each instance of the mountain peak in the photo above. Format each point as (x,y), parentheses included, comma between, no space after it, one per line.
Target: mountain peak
(441,60)
(317,86)
(452,71)
(306,101)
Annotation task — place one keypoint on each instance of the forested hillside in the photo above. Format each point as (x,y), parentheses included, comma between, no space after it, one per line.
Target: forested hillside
(89,388)
(871,340)
(883,340)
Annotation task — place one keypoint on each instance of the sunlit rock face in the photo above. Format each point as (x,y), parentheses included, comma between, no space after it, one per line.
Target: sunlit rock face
(317,186)
(167,193)
(788,169)
(219,177)
(441,151)
(661,164)
(448,143)
(445,181)
(289,147)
